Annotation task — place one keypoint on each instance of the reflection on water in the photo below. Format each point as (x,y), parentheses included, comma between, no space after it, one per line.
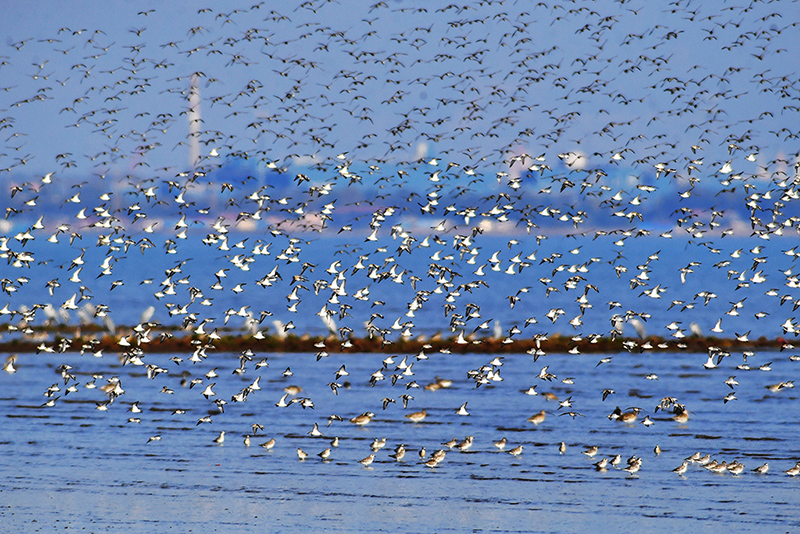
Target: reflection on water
(74,465)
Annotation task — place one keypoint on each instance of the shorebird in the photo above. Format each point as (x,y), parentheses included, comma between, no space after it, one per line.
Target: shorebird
(628,417)
(681,415)
(694,457)
(681,469)
(736,468)
(438,455)
(417,417)
(717,467)
(466,444)
(366,462)
(293,390)
(208,392)
(362,419)
(432,462)
(399,453)
(633,466)
(450,444)
(537,418)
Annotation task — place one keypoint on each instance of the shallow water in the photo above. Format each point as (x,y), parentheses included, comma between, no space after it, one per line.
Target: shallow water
(74,466)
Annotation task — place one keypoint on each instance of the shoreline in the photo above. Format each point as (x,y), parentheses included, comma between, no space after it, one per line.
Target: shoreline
(167,340)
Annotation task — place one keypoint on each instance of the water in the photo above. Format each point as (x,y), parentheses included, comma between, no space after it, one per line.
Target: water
(675,218)
(74,466)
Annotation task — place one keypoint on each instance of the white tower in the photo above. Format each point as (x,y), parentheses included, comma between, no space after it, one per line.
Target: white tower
(194,123)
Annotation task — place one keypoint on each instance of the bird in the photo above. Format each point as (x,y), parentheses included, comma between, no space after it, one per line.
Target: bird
(219,440)
(450,444)
(466,444)
(417,417)
(363,419)
(537,418)
(624,417)
(681,415)
(681,469)
(301,454)
(366,462)
(634,466)
(516,451)
(462,410)
(736,468)
(207,393)
(432,462)
(762,469)
(399,453)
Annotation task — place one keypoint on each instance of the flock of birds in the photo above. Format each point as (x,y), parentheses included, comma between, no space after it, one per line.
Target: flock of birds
(555,123)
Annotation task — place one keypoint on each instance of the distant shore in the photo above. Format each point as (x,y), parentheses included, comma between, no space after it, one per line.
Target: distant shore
(160,339)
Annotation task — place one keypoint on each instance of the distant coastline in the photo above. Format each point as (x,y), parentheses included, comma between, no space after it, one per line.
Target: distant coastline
(165,339)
